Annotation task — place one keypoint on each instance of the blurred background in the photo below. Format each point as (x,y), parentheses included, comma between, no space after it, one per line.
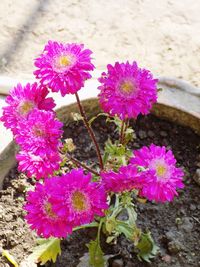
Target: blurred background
(161,35)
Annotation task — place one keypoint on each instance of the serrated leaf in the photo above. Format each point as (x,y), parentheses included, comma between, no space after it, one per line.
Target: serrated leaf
(131,232)
(96,254)
(116,121)
(63,162)
(105,157)
(124,228)
(147,247)
(115,155)
(84,260)
(110,225)
(47,250)
(132,215)
(129,135)
(10,258)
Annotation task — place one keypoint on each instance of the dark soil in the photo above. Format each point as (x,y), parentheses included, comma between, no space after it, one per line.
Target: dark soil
(175,226)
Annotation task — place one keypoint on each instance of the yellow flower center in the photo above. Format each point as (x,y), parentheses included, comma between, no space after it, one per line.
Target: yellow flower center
(64,61)
(127,87)
(25,107)
(49,211)
(161,170)
(79,201)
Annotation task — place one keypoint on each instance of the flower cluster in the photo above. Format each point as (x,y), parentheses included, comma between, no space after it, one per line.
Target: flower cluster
(21,101)
(62,203)
(152,171)
(30,116)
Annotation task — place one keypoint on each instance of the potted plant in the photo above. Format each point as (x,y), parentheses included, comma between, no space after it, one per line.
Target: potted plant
(124,177)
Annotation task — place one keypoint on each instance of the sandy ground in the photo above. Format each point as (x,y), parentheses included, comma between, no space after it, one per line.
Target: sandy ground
(161,35)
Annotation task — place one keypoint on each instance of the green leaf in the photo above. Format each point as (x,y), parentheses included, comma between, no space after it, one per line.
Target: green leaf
(96,254)
(123,227)
(115,155)
(110,225)
(47,250)
(95,117)
(116,121)
(132,215)
(105,157)
(147,247)
(129,135)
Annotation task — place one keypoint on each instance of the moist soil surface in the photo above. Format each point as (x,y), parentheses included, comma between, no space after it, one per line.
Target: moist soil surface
(175,226)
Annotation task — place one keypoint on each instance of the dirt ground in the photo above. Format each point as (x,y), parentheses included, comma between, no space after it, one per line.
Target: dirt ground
(163,35)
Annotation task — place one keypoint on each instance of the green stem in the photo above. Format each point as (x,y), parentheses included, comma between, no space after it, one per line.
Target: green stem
(126,124)
(122,132)
(90,225)
(99,230)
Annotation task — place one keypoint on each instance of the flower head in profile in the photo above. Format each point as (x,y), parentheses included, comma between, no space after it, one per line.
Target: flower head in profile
(127,90)
(161,177)
(125,179)
(40,133)
(22,100)
(82,199)
(40,211)
(37,165)
(64,67)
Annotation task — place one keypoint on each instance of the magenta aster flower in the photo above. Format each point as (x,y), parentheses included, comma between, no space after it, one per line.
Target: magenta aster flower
(81,198)
(125,179)
(22,100)
(127,90)
(64,67)
(38,166)
(40,133)
(40,211)
(161,177)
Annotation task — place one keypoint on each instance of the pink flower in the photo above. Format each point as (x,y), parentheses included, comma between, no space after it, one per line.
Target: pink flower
(161,177)
(22,100)
(40,211)
(64,67)
(127,90)
(35,165)
(62,203)
(81,199)
(40,133)
(125,179)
